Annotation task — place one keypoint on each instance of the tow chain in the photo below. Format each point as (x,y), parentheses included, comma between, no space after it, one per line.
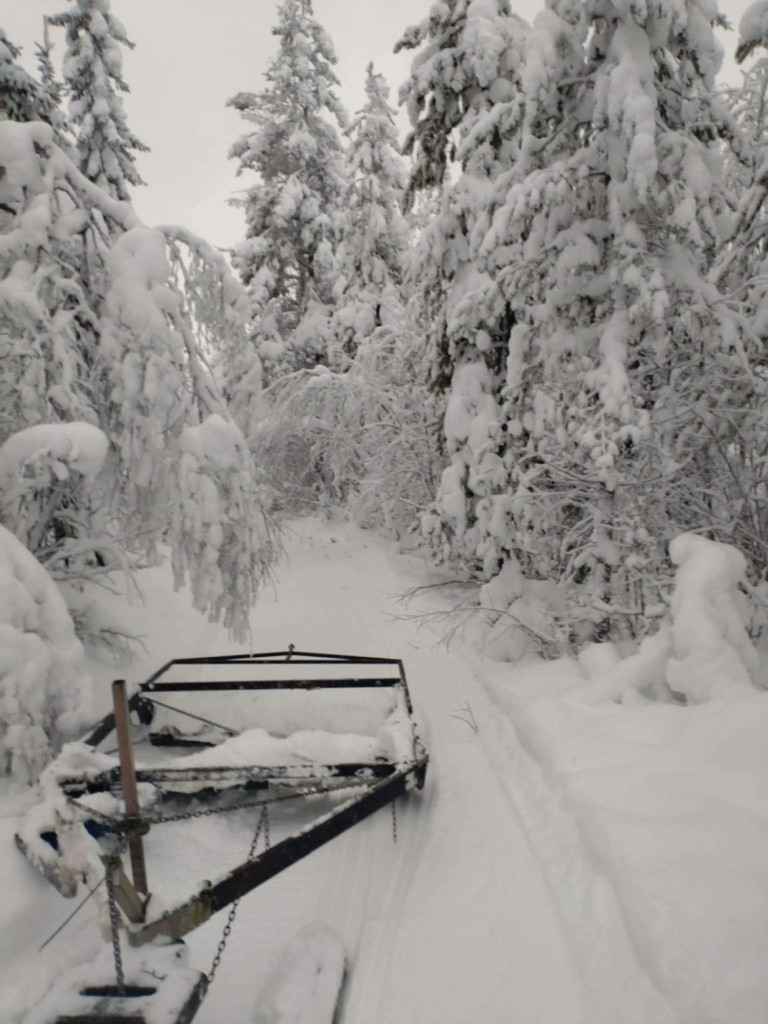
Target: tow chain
(263,826)
(109,865)
(126,826)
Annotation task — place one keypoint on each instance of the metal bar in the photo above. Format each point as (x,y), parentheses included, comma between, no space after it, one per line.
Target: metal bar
(127,897)
(322,659)
(103,728)
(128,781)
(247,876)
(270,684)
(255,775)
(404,684)
(160,671)
(376,769)
(242,879)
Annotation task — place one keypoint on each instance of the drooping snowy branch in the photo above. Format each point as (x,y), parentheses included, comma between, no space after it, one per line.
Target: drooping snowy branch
(105,321)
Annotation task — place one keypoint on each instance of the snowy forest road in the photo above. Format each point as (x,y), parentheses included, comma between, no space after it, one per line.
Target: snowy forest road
(453,922)
(486,910)
(460,921)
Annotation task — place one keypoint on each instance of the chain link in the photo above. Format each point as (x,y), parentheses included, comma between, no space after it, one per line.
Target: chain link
(122,828)
(125,827)
(113,921)
(263,826)
(263,802)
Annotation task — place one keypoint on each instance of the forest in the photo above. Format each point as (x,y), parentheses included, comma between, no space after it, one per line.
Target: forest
(529,338)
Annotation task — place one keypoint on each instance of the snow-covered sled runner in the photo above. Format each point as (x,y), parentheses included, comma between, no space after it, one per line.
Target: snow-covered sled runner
(285,727)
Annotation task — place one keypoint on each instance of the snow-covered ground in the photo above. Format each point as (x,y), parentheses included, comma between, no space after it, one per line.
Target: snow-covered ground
(571,860)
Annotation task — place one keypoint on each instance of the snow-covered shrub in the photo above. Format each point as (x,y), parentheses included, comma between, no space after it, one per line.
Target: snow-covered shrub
(44,695)
(701,650)
(364,439)
(53,499)
(45,473)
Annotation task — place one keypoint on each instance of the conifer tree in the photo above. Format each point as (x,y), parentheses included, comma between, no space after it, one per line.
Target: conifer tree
(21,97)
(373,251)
(94,80)
(295,211)
(630,375)
(54,90)
(463,98)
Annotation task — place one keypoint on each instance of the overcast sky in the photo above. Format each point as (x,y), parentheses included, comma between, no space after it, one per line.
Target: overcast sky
(192,55)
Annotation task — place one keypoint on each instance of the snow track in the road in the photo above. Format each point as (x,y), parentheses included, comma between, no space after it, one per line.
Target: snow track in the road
(620,988)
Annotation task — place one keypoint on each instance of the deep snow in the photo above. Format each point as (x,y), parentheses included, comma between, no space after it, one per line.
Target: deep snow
(573,860)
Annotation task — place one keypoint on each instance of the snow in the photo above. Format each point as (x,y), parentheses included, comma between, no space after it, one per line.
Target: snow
(44,693)
(672,802)
(65,446)
(21,162)
(714,656)
(753,28)
(214,441)
(163,971)
(305,985)
(583,855)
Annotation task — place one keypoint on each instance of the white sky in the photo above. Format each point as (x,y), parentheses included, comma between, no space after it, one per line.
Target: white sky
(192,55)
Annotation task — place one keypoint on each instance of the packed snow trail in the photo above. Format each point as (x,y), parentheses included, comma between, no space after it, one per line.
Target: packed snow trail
(456,922)
(485,911)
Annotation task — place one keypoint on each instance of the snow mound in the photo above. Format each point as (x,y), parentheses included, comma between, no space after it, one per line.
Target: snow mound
(44,694)
(712,653)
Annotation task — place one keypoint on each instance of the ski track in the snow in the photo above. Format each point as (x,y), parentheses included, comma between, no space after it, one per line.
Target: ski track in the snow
(487,909)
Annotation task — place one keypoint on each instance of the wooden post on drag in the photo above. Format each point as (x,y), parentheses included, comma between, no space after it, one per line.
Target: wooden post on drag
(128,781)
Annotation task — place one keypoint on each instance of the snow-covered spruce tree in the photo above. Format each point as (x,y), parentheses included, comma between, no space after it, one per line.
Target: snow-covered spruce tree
(630,385)
(294,213)
(100,323)
(22,98)
(373,251)
(54,89)
(464,102)
(94,81)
